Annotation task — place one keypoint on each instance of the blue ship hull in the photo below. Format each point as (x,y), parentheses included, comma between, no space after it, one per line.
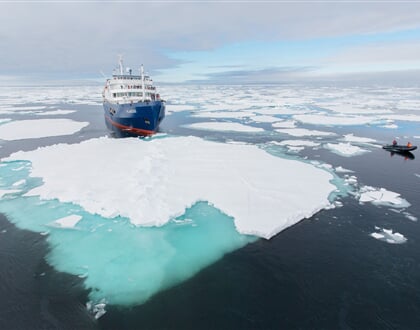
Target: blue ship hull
(136,119)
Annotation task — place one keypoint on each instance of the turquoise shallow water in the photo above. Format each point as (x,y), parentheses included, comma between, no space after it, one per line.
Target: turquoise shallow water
(121,263)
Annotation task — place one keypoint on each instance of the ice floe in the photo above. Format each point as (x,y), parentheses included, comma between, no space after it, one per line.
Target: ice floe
(346,108)
(179,107)
(224,126)
(241,180)
(330,120)
(381,196)
(4,120)
(410,217)
(19,183)
(58,112)
(264,119)
(414,118)
(388,236)
(4,192)
(21,96)
(345,149)
(357,139)
(38,128)
(390,126)
(340,169)
(221,114)
(68,222)
(303,132)
(97,309)
(297,143)
(285,124)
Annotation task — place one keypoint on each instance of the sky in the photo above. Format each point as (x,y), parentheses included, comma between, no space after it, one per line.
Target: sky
(211,41)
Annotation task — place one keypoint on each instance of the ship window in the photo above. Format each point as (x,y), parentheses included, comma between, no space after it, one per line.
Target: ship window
(114,94)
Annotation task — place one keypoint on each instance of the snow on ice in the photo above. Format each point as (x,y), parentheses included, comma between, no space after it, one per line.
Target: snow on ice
(345,149)
(381,196)
(330,120)
(38,128)
(228,176)
(357,139)
(225,126)
(303,132)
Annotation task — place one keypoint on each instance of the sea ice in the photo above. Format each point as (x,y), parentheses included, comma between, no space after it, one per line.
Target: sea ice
(98,309)
(58,112)
(68,222)
(4,192)
(409,104)
(297,143)
(241,180)
(346,108)
(179,107)
(38,128)
(390,126)
(222,114)
(340,169)
(264,119)
(303,132)
(357,139)
(285,124)
(326,119)
(409,216)
(19,183)
(381,196)
(350,179)
(414,118)
(345,149)
(388,236)
(13,110)
(225,126)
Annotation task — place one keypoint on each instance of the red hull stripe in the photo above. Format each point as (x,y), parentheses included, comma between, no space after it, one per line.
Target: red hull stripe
(129,129)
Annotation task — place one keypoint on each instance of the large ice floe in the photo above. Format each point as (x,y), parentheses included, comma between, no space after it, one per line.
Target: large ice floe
(133,217)
(263,193)
(38,128)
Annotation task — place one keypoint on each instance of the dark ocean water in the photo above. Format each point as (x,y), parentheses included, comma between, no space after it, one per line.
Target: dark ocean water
(325,272)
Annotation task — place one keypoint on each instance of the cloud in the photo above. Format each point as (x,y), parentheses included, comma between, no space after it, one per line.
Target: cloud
(406,51)
(83,38)
(266,75)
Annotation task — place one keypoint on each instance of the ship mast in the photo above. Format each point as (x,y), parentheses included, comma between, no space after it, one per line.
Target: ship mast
(120,63)
(142,81)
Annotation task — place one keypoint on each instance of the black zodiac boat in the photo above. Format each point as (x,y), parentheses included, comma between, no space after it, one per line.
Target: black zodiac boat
(399,148)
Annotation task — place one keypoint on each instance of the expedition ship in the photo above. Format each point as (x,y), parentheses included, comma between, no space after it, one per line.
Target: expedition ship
(132,106)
